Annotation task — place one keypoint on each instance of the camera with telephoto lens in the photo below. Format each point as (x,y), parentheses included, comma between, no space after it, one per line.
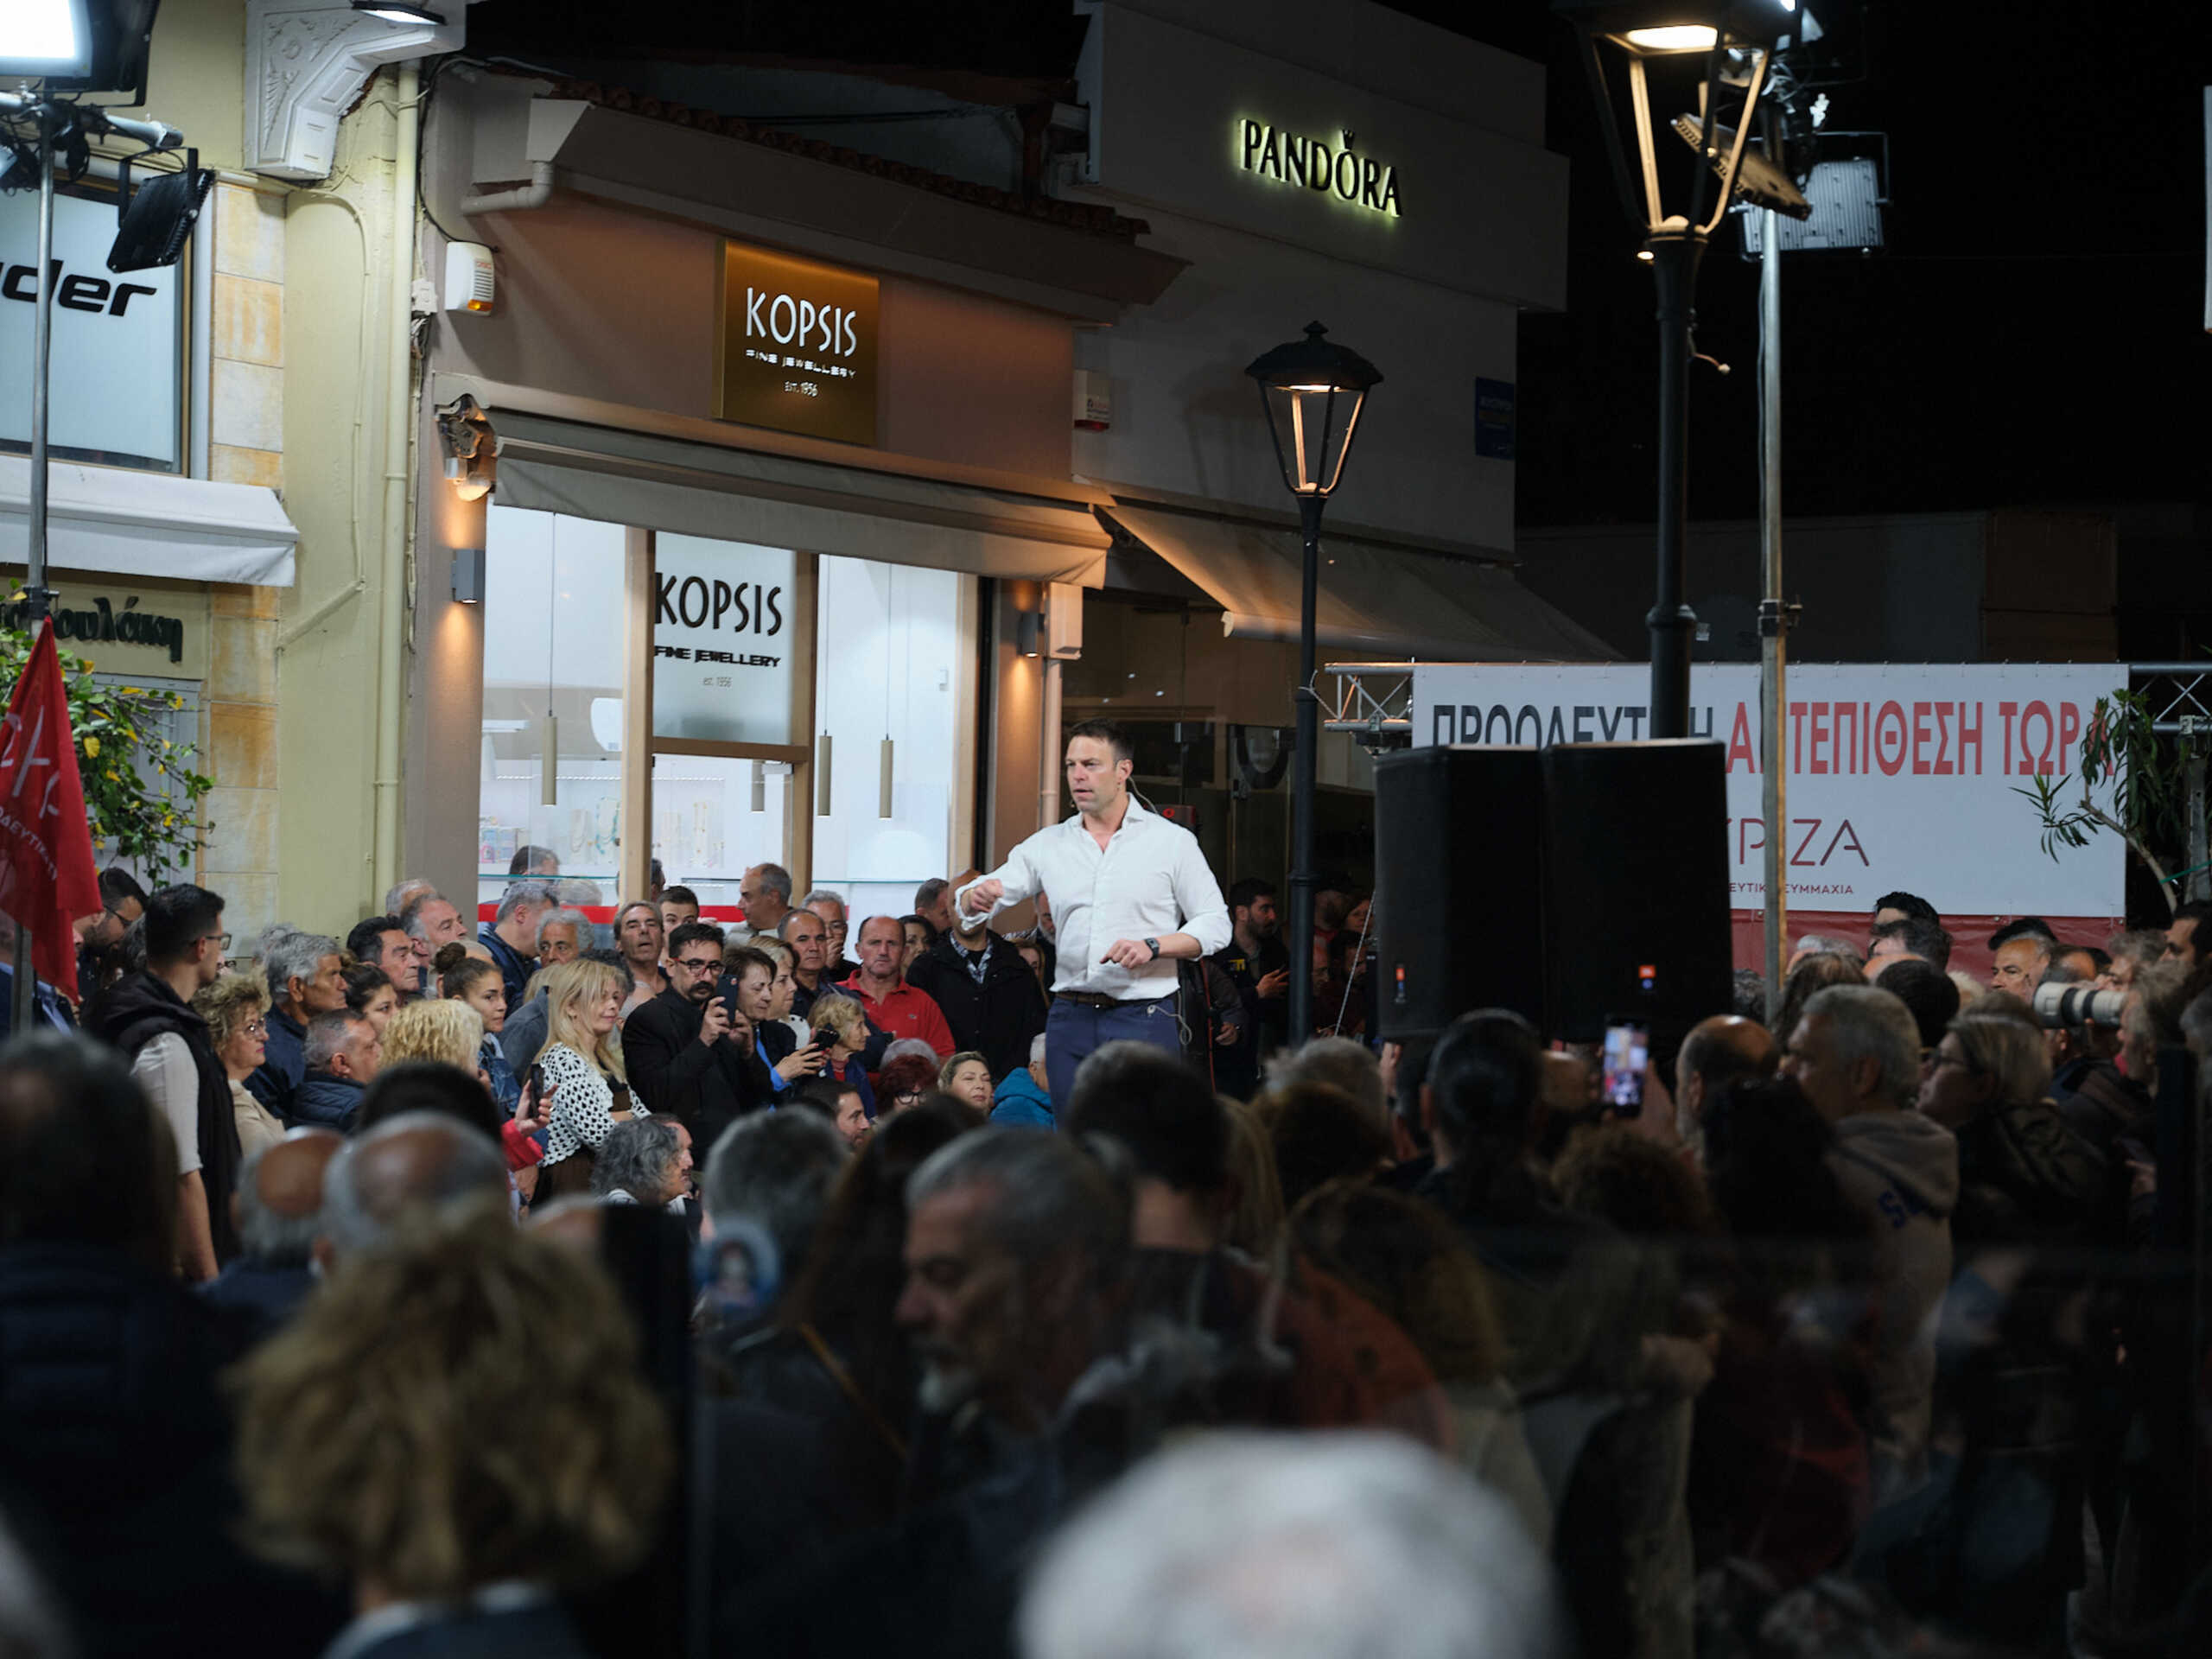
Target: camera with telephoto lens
(2062,1006)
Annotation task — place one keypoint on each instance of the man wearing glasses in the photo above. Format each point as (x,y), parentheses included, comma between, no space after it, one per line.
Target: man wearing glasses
(686,1057)
(148,1016)
(99,938)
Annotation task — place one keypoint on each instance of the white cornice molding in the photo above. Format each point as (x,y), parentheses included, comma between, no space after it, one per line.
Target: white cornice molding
(307,60)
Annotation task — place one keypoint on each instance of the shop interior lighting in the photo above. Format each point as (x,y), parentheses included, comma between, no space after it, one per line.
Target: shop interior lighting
(394,11)
(40,38)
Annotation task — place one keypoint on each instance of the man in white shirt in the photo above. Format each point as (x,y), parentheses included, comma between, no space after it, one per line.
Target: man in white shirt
(1130,895)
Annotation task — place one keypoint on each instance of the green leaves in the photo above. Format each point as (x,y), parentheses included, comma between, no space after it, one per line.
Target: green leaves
(142,793)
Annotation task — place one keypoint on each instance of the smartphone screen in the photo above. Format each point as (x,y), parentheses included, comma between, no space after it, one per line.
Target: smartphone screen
(1628,1050)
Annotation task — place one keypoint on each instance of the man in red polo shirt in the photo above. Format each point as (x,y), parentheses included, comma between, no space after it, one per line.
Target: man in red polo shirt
(892,1005)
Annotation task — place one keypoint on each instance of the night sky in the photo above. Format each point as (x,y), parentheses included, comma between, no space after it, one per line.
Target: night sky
(2032,336)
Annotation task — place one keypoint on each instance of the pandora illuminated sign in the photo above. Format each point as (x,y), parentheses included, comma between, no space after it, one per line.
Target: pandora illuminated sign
(1310,162)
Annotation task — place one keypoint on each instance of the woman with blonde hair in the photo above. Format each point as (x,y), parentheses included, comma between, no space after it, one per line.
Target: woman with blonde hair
(841,1016)
(443,1029)
(235,1009)
(583,1060)
(457,1424)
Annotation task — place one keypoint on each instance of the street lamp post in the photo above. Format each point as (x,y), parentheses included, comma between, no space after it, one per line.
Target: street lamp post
(1735,43)
(1312,392)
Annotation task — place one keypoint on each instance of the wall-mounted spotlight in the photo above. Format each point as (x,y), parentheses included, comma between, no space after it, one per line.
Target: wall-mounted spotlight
(468,575)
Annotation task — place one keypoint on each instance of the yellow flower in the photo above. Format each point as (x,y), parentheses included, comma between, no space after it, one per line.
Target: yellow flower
(112,778)
(92,748)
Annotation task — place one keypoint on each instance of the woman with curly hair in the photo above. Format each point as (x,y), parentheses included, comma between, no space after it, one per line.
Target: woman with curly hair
(440,1029)
(841,1018)
(235,1009)
(907,1081)
(457,1424)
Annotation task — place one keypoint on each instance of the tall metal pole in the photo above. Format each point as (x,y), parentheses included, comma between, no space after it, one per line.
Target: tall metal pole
(1774,621)
(23,1007)
(1302,873)
(1675,260)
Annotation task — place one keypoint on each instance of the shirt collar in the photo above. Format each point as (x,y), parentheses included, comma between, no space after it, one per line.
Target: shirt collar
(1134,811)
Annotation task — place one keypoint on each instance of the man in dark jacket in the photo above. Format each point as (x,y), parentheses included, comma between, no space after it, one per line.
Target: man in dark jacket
(280,1213)
(115,1439)
(987,994)
(306,977)
(683,1056)
(344,1050)
(148,1017)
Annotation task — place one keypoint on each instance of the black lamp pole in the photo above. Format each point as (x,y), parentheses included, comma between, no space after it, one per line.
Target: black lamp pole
(1318,388)
(1302,873)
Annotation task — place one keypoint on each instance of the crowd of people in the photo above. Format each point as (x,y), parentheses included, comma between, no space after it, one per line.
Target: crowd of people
(555,1287)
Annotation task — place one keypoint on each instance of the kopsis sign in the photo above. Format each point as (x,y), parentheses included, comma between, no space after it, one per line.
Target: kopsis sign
(795,345)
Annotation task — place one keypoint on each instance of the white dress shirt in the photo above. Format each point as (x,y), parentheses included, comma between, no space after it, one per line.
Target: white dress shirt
(1149,881)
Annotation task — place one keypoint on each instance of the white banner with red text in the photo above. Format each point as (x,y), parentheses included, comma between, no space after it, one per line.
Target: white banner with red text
(1901,776)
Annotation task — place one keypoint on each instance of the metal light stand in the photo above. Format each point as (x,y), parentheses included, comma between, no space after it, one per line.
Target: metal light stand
(1774,618)
(38,597)
(1302,873)
(1675,257)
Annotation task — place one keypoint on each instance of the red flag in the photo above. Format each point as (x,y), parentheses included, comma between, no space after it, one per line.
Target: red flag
(46,878)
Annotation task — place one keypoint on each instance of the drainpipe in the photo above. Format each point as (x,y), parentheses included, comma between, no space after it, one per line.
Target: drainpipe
(536,193)
(398,411)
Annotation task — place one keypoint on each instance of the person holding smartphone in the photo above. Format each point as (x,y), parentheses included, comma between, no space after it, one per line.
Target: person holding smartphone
(688,1055)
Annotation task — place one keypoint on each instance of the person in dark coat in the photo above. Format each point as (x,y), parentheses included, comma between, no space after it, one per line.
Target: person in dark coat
(148,1017)
(683,1056)
(115,1439)
(344,1051)
(987,992)
(280,1214)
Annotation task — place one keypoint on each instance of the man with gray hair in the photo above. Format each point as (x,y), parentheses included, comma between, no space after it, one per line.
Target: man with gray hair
(773,1172)
(830,907)
(431,921)
(1248,1546)
(280,1216)
(343,1051)
(306,977)
(511,934)
(562,935)
(1017,1249)
(1342,1065)
(1856,1054)
(765,894)
(424,1158)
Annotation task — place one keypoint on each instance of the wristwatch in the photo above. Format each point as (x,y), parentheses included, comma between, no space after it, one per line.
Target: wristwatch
(1154,945)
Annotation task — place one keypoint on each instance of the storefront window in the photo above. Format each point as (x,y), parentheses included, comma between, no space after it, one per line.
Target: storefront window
(891,665)
(714,819)
(552,696)
(723,621)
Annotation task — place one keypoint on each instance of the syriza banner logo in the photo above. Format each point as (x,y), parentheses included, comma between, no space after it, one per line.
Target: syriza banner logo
(796,345)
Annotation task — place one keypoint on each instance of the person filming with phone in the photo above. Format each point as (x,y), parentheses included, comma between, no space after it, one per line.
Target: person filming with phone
(1131,895)
(686,1057)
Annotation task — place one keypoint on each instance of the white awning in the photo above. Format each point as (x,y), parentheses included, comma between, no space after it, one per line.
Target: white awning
(1382,600)
(727,494)
(137,523)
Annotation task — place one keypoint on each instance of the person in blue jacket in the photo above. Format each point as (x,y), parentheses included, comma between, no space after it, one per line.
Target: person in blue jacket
(1023,1098)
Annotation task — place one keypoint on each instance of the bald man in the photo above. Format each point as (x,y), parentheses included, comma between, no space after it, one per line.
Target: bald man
(415,1158)
(277,1209)
(1725,1049)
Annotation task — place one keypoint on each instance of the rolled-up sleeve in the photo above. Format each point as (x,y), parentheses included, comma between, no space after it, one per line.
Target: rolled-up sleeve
(1198,896)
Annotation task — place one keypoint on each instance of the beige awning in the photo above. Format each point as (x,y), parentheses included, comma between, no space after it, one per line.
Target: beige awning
(132,524)
(1380,601)
(729,494)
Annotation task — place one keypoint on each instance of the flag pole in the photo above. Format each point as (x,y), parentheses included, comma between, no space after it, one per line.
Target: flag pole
(37,595)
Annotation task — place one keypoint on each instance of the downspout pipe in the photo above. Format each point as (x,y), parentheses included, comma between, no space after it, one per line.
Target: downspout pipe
(522,199)
(398,411)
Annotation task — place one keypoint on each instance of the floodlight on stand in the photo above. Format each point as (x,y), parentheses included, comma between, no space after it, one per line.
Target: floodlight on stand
(396,11)
(154,221)
(44,40)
